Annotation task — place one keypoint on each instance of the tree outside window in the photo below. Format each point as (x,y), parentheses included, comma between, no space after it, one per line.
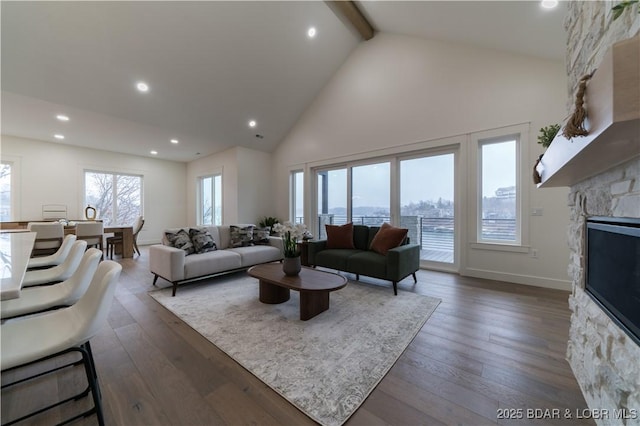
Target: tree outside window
(5,192)
(117,198)
(210,211)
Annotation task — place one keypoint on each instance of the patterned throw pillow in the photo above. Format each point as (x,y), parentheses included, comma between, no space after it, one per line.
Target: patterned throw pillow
(180,240)
(241,236)
(202,240)
(261,236)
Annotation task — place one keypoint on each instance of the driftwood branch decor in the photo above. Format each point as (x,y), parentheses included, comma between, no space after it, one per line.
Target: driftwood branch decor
(575,124)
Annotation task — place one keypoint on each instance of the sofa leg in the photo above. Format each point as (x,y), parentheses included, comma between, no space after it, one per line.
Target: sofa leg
(415,280)
(357,277)
(155,278)
(175,287)
(395,288)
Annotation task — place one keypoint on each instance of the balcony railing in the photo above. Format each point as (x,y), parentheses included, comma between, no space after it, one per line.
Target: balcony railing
(434,234)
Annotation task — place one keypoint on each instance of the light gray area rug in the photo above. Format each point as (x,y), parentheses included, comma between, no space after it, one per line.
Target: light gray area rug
(325,366)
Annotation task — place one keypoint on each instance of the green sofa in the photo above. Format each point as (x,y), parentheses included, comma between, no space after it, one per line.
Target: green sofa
(397,264)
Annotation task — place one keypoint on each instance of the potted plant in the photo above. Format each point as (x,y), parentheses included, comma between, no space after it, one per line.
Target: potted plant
(291,234)
(268,222)
(547,134)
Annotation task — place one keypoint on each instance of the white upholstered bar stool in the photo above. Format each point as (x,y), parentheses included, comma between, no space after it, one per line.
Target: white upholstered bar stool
(49,236)
(57,273)
(53,259)
(44,298)
(39,338)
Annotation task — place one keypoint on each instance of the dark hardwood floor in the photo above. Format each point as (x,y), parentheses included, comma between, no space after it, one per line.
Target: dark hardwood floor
(488,347)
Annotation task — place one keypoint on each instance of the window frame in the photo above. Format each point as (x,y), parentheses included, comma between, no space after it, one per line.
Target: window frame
(114,174)
(199,198)
(12,191)
(293,189)
(519,133)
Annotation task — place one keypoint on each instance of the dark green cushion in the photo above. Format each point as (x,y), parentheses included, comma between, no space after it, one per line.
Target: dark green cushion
(368,263)
(361,237)
(334,258)
(373,230)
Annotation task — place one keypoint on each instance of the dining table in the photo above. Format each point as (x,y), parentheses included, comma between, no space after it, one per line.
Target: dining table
(15,251)
(124,231)
(127,238)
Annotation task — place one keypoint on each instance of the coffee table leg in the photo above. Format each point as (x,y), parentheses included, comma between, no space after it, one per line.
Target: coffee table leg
(273,294)
(313,303)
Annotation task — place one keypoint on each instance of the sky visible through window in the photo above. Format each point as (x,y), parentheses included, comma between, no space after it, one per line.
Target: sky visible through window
(426,181)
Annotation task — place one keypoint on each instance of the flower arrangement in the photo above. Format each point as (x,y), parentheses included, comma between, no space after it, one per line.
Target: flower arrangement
(290,234)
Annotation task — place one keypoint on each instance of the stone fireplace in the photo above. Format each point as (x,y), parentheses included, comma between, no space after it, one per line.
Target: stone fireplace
(604,359)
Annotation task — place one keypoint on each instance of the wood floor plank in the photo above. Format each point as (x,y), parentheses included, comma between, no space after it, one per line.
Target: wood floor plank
(180,400)
(488,345)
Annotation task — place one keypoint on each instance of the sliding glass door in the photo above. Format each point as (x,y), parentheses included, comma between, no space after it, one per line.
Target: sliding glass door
(427,205)
(370,197)
(332,199)
(416,193)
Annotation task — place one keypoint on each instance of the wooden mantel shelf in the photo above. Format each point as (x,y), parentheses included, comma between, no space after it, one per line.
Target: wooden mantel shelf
(613,108)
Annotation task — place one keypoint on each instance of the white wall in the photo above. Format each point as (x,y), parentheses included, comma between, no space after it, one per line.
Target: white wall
(51,173)
(246,184)
(225,162)
(398,92)
(255,186)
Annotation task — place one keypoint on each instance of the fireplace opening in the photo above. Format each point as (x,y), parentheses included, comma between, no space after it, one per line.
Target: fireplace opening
(613,270)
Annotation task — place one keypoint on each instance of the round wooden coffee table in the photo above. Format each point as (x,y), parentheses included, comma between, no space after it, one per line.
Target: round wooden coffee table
(314,287)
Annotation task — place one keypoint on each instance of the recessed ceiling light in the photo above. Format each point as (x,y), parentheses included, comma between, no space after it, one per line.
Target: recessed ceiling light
(153,152)
(58,136)
(175,141)
(142,86)
(252,123)
(62,117)
(549,4)
(311,32)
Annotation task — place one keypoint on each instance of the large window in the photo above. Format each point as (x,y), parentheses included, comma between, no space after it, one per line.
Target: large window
(210,208)
(5,192)
(499,194)
(117,198)
(297,193)
(415,192)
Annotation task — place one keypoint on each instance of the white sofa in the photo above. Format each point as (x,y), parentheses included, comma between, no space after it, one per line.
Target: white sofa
(175,266)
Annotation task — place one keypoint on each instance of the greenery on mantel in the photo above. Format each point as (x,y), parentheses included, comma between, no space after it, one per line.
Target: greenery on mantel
(622,6)
(547,134)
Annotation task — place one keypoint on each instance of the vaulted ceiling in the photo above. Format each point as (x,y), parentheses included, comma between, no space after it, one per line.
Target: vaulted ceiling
(212,66)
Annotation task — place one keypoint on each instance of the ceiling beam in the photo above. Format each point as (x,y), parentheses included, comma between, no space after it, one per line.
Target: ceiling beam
(349,11)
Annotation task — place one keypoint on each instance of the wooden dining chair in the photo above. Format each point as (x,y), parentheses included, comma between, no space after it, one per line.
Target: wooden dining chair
(117,240)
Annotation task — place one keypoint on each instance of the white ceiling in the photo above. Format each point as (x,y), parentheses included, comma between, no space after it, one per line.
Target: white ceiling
(212,66)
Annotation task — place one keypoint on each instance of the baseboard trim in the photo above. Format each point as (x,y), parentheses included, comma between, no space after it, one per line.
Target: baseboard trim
(531,280)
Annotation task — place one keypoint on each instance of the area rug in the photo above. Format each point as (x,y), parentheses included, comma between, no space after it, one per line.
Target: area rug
(325,366)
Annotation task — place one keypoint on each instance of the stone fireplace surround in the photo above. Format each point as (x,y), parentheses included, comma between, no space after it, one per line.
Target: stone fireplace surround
(605,361)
